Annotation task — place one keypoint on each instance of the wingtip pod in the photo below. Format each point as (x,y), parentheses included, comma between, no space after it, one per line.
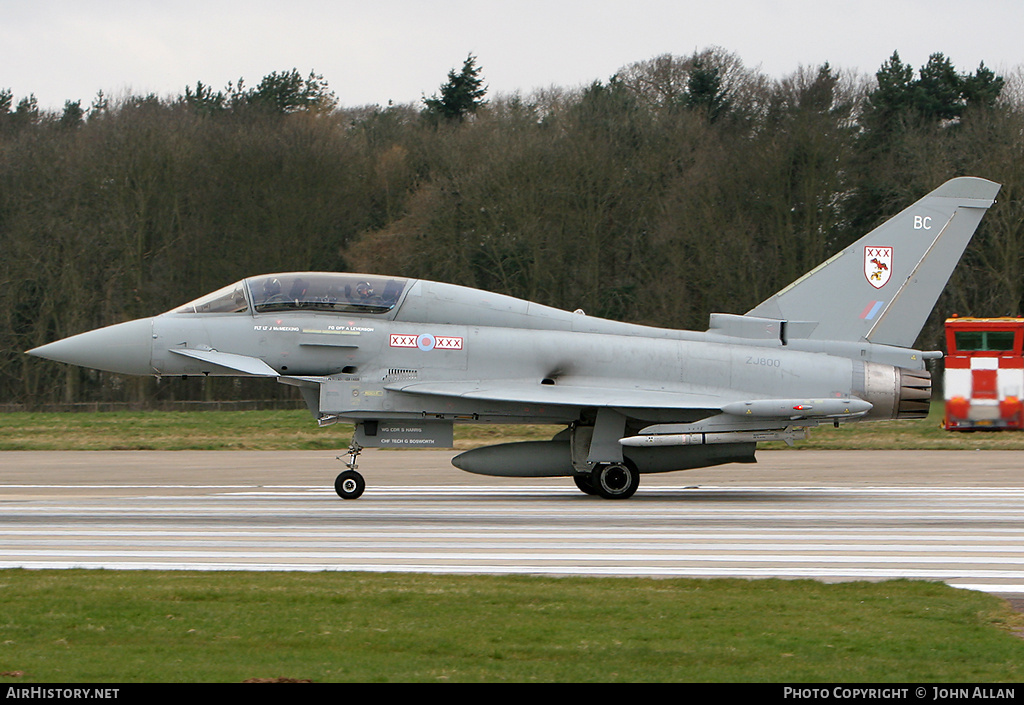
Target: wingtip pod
(882,288)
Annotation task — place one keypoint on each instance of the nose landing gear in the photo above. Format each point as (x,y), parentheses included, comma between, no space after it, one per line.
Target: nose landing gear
(350,484)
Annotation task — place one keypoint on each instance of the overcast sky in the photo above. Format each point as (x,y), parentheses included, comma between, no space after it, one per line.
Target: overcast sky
(371,52)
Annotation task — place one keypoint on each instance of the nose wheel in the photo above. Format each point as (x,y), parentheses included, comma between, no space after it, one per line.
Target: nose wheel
(350,484)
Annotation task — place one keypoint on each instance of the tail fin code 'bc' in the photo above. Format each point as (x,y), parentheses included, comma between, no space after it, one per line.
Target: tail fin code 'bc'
(883,287)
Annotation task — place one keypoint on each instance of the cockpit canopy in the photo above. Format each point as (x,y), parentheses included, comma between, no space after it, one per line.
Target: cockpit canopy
(303,291)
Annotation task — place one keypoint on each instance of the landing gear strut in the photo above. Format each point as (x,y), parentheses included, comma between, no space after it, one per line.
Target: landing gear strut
(350,484)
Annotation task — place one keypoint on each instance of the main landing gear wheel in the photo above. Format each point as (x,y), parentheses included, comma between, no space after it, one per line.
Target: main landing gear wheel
(584,483)
(349,484)
(615,480)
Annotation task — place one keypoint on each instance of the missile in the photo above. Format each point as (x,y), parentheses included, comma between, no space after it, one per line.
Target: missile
(789,435)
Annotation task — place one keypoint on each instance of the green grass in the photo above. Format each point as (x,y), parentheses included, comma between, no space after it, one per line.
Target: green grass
(208,430)
(110,626)
(296,430)
(126,626)
(168,430)
(921,434)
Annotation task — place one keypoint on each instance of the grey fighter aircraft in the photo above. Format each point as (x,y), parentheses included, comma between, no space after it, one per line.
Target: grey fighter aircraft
(405,359)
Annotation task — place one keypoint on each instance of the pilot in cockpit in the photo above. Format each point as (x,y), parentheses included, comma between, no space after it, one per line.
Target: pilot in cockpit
(272,290)
(364,292)
(297,294)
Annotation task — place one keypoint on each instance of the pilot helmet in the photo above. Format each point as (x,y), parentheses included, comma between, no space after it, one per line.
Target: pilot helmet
(271,287)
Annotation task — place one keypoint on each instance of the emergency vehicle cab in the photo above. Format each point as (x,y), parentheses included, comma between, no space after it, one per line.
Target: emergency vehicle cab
(984,381)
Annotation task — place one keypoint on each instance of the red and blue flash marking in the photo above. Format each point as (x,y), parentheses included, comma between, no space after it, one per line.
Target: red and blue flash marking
(871,310)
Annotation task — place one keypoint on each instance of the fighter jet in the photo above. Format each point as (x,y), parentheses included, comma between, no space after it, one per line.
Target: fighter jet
(405,359)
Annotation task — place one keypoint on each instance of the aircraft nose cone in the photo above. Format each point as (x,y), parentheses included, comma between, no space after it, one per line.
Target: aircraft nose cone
(125,348)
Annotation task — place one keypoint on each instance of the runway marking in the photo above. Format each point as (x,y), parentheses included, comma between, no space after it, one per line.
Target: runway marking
(294,557)
(955,579)
(972,538)
(568,489)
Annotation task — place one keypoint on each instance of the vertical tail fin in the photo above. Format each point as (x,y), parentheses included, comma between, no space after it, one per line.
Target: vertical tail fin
(883,287)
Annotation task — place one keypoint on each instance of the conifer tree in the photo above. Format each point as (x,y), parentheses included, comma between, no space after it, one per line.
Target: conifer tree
(460,97)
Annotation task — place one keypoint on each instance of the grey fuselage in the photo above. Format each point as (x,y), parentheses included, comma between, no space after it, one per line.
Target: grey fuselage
(405,360)
(485,350)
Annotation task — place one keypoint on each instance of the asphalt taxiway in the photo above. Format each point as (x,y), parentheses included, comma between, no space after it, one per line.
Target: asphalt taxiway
(952,516)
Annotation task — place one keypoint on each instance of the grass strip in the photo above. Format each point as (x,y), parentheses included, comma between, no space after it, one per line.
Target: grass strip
(145,626)
(295,430)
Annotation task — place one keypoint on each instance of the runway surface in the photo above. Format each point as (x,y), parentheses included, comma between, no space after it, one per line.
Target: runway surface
(951,516)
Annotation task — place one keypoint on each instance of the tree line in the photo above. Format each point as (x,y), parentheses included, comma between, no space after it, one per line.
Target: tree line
(679,186)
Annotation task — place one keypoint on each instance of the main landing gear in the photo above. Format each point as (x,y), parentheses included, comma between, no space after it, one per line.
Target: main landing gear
(610,480)
(350,484)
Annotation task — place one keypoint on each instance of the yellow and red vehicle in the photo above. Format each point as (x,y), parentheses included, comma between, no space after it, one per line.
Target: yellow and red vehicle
(984,382)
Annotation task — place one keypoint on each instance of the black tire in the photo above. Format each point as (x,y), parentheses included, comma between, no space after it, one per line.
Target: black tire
(615,480)
(349,485)
(585,484)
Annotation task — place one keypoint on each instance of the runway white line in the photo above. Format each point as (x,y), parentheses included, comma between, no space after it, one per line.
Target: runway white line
(1011,585)
(968,537)
(966,550)
(515,490)
(526,559)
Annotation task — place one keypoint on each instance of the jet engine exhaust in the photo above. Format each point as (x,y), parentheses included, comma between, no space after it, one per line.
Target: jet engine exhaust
(894,392)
